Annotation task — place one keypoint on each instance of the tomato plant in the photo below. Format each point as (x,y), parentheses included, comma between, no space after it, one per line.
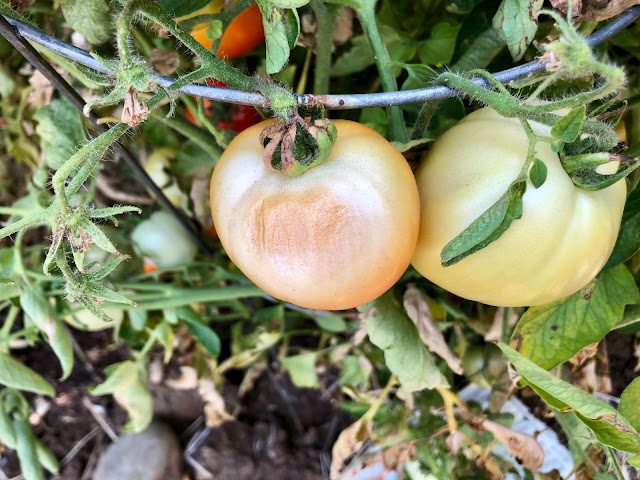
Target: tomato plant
(563,239)
(335,237)
(242,35)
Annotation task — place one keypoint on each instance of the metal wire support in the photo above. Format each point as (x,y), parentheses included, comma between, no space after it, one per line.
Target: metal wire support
(12,34)
(335,102)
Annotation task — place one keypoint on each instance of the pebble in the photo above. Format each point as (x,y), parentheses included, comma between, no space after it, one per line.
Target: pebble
(153,454)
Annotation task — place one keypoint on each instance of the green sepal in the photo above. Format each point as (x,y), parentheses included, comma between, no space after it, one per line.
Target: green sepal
(576,163)
(568,127)
(590,179)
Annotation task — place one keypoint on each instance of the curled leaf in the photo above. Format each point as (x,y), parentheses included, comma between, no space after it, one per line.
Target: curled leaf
(415,303)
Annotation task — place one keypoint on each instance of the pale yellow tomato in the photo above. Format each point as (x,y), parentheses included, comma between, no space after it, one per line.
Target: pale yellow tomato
(563,239)
(337,236)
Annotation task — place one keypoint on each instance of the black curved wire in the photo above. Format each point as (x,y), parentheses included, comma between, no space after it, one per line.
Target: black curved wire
(335,102)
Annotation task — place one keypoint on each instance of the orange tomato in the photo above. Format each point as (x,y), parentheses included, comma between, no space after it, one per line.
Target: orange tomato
(241,36)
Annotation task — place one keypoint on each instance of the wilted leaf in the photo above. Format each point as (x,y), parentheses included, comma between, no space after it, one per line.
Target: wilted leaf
(214,410)
(594,10)
(349,442)
(524,448)
(127,382)
(188,379)
(165,63)
(415,303)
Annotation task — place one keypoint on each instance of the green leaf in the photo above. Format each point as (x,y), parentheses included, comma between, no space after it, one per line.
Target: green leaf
(550,334)
(438,48)
(331,323)
(579,437)
(628,242)
(14,374)
(127,382)
(61,131)
(181,8)
(207,337)
(481,52)
(629,401)
(352,372)
(538,173)
(302,369)
(390,329)
(281,30)
(7,83)
(6,281)
(27,452)
(568,127)
(590,179)
(609,426)
(39,311)
(91,18)
(360,56)
(516,23)
(488,227)
(634,461)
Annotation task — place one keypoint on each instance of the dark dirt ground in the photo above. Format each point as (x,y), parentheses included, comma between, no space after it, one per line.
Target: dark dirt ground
(281,432)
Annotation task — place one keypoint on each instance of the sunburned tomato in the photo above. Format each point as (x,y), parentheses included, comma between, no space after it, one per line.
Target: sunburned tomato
(559,245)
(242,35)
(337,236)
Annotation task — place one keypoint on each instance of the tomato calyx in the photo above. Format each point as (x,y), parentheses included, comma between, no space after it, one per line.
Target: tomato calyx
(595,171)
(297,144)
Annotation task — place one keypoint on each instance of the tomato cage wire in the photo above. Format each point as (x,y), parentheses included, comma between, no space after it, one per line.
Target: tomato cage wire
(333,102)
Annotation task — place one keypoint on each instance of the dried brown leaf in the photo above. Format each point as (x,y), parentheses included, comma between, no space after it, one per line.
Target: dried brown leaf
(594,10)
(134,110)
(165,63)
(348,444)
(524,448)
(214,410)
(415,303)
(187,380)
(494,334)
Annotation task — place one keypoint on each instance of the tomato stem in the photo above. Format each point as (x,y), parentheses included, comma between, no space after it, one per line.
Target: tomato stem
(365,10)
(325,17)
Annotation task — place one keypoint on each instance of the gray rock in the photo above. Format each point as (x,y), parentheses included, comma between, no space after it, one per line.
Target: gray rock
(153,454)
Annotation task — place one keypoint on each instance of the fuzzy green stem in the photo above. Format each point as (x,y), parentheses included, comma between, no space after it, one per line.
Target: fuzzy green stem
(212,65)
(367,16)
(325,16)
(177,297)
(509,107)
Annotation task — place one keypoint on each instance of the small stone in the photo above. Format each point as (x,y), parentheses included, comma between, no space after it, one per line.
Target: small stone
(153,454)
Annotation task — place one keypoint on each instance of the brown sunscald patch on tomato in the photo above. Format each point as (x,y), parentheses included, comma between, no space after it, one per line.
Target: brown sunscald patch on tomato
(305,225)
